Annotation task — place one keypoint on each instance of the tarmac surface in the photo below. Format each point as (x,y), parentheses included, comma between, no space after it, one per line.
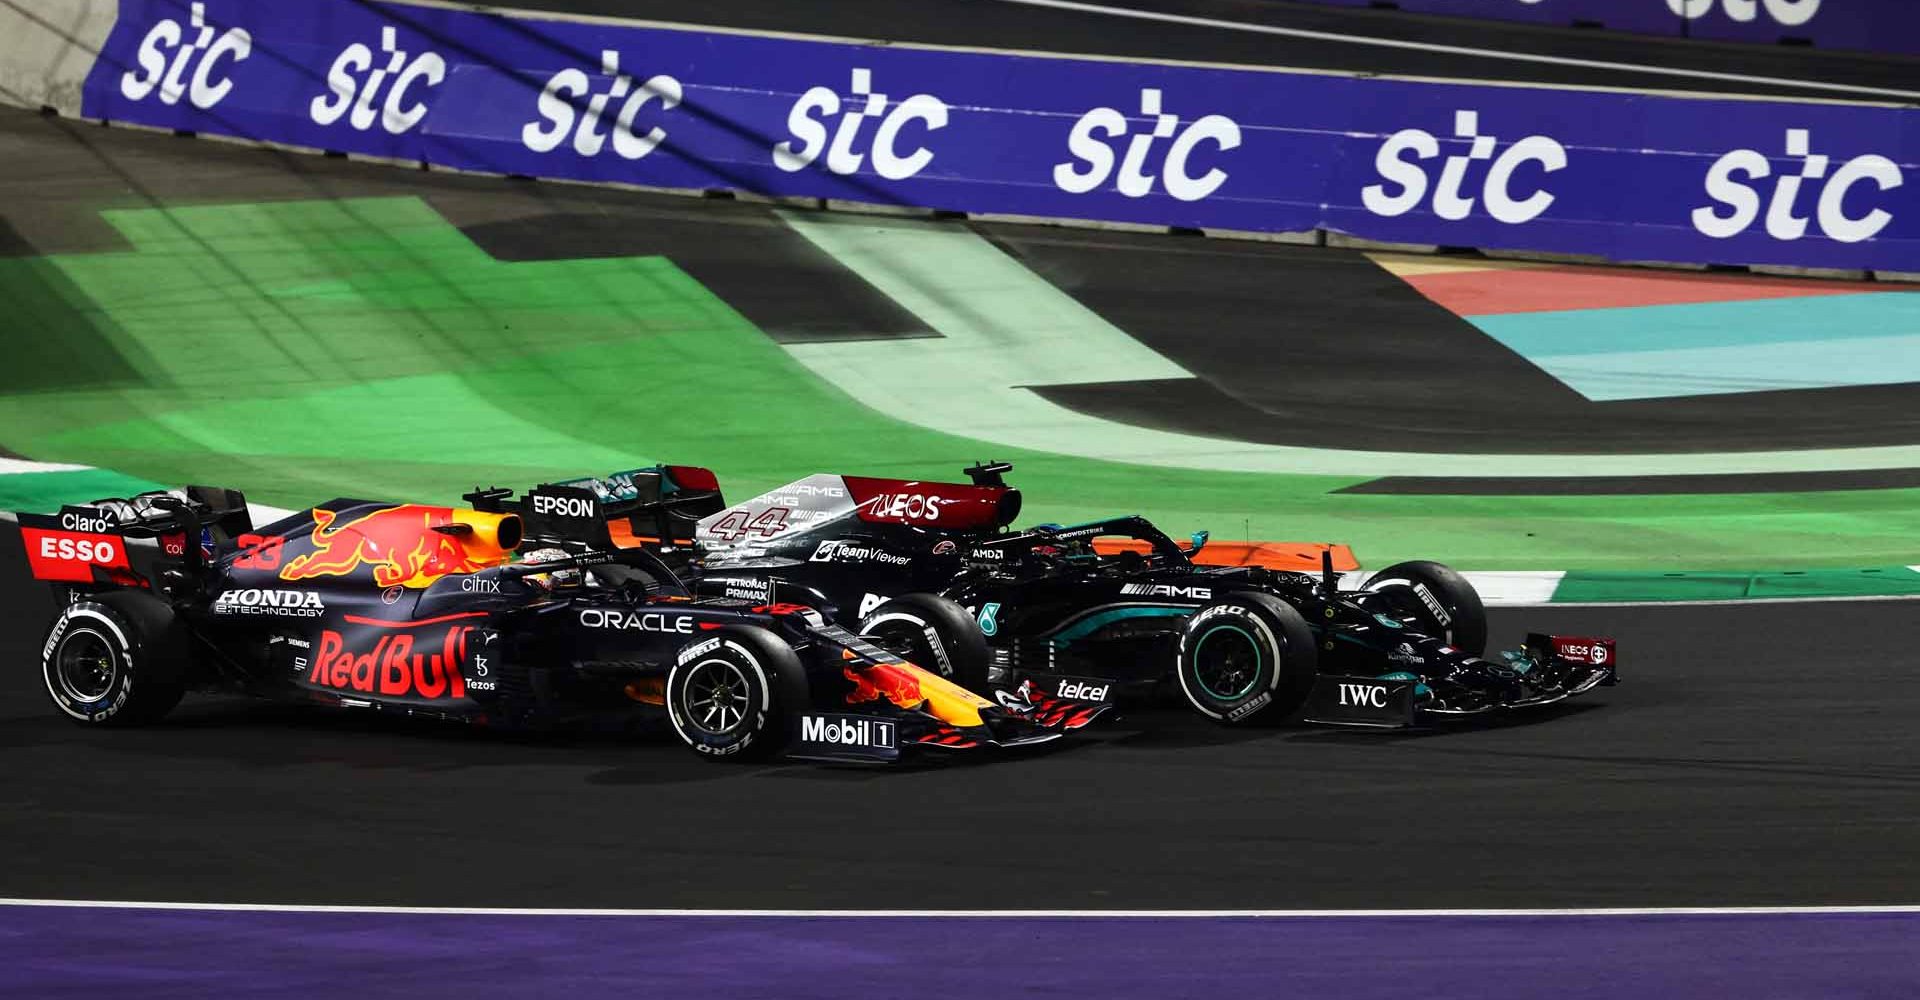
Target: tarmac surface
(1752,755)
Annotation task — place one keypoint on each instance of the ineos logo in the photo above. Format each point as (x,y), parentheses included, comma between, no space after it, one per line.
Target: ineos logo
(344,84)
(209,84)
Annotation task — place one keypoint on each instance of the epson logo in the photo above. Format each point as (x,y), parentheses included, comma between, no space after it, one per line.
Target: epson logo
(1083,691)
(1733,182)
(638,621)
(873,733)
(86,522)
(283,603)
(209,84)
(566,90)
(1400,163)
(1363,695)
(807,121)
(356,62)
(1136,180)
(1167,590)
(559,506)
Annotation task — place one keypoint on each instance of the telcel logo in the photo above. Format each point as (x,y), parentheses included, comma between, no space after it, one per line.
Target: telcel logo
(209,83)
(1083,691)
(1450,201)
(1743,198)
(560,118)
(810,134)
(1791,13)
(1088,147)
(401,112)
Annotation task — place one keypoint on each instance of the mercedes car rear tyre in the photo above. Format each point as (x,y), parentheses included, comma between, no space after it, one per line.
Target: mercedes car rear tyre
(935,633)
(1246,657)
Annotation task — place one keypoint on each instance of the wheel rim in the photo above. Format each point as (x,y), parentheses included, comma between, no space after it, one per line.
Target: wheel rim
(86,666)
(717,697)
(1227,662)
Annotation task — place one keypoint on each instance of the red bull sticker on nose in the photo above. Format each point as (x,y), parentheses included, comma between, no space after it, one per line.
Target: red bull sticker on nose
(399,543)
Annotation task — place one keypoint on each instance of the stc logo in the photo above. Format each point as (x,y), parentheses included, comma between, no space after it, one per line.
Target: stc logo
(1743,198)
(1401,165)
(560,118)
(807,123)
(209,83)
(1094,158)
(1791,13)
(344,81)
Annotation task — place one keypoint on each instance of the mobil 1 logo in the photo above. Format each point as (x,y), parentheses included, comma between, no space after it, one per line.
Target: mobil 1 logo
(862,737)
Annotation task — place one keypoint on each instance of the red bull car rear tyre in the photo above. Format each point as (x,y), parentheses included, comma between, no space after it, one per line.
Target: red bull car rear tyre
(114,660)
(1246,657)
(729,695)
(1438,598)
(935,633)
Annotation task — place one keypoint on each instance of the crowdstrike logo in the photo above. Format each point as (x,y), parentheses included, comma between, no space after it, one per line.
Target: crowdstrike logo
(1095,137)
(807,123)
(1734,183)
(356,76)
(165,62)
(1402,166)
(1788,13)
(560,115)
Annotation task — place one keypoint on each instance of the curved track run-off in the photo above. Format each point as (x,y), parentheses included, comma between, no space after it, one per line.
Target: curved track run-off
(1753,755)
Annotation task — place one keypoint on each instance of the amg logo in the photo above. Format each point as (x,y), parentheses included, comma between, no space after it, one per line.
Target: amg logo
(847,731)
(1083,691)
(810,490)
(556,506)
(285,603)
(1167,590)
(1364,695)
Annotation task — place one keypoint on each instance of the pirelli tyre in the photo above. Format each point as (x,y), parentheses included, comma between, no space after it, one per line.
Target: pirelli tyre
(1246,657)
(1439,599)
(730,695)
(934,633)
(118,659)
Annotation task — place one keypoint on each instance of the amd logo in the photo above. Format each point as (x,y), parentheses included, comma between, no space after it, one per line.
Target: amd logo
(1167,590)
(549,504)
(1364,695)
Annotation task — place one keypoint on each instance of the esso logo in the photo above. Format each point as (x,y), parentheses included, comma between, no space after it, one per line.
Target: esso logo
(807,123)
(1401,164)
(1790,13)
(98,551)
(197,69)
(1734,182)
(559,115)
(356,76)
(1092,137)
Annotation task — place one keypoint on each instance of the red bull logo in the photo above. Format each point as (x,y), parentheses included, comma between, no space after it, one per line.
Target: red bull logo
(401,545)
(392,668)
(896,684)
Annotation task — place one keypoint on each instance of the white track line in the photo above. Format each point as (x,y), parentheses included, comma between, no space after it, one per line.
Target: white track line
(1393,43)
(1655,911)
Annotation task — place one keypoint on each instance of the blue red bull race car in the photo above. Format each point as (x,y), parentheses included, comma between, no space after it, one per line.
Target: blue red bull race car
(423,610)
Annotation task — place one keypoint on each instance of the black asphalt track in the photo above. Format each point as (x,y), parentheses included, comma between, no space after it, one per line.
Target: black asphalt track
(994,24)
(1753,755)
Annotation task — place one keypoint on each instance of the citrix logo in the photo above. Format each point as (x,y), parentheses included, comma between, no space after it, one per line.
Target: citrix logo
(1743,199)
(209,84)
(400,112)
(559,118)
(812,135)
(1087,147)
(1449,203)
(1791,13)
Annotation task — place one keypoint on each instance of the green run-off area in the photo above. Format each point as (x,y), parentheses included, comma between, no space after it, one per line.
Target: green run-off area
(304,350)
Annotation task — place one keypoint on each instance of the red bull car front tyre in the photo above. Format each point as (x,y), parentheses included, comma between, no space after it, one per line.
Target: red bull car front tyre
(115,659)
(1245,657)
(731,695)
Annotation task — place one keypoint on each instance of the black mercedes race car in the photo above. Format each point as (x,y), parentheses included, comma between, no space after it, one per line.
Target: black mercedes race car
(932,571)
(421,610)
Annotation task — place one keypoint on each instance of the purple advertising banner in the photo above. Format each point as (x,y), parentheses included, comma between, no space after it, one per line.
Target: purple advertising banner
(1624,176)
(1864,25)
